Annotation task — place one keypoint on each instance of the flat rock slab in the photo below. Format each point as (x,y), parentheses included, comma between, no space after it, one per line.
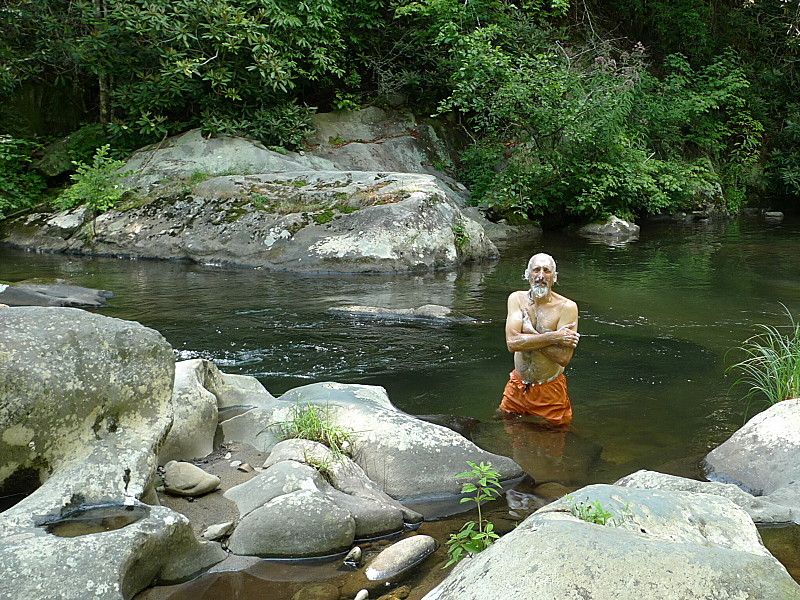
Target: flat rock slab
(427,312)
(59,293)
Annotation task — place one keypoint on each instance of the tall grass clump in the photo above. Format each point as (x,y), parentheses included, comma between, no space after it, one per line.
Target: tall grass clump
(771,367)
(314,422)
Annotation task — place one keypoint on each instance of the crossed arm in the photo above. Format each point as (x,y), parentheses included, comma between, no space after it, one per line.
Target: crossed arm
(558,345)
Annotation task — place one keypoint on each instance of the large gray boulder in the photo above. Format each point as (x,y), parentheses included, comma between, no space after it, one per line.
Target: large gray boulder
(78,390)
(300,221)
(111,565)
(202,397)
(759,508)
(342,473)
(763,457)
(365,197)
(363,140)
(86,403)
(409,459)
(665,545)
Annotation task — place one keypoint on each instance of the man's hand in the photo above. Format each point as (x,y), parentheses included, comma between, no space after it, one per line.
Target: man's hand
(567,336)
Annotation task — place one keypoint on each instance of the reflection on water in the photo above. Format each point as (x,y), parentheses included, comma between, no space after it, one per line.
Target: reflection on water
(659,318)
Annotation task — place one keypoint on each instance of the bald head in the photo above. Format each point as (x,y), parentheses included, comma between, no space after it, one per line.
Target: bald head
(541,259)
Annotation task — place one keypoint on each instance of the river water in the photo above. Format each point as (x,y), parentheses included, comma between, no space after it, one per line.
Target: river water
(660,319)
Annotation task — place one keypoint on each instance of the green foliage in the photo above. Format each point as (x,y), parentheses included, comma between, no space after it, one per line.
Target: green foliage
(19,187)
(314,422)
(460,236)
(592,512)
(475,536)
(346,101)
(96,185)
(229,67)
(783,168)
(771,367)
(84,142)
(560,134)
(563,122)
(323,217)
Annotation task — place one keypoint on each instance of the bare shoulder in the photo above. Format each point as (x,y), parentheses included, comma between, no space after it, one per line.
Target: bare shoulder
(516,300)
(567,305)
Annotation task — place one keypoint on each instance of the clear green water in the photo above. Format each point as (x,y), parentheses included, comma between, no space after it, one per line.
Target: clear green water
(659,319)
(648,383)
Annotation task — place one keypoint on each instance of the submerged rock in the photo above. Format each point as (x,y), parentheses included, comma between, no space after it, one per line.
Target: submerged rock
(427,312)
(399,557)
(56,293)
(614,231)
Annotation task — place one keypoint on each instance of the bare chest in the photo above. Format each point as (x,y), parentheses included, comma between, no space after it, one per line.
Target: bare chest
(541,318)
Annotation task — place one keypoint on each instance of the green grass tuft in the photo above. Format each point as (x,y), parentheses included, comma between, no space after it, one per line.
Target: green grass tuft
(314,422)
(771,367)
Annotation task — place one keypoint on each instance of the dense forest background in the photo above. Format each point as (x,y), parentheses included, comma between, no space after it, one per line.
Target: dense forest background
(574,109)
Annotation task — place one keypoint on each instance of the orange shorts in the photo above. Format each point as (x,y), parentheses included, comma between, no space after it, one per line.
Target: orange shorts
(548,400)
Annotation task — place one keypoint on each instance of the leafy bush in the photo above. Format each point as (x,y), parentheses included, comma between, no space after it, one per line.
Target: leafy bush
(96,185)
(19,188)
(561,134)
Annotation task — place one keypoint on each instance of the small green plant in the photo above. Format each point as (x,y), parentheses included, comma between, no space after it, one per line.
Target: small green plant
(475,536)
(199,177)
(592,512)
(323,217)
(346,101)
(460,235)
(96,185)
(260,200)
(314,422)
(771,367)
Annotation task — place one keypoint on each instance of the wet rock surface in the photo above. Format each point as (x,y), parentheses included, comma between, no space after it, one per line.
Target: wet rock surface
(426,313)
(52,293)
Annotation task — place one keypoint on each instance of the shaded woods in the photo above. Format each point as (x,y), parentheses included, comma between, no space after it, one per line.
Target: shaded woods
(566,112)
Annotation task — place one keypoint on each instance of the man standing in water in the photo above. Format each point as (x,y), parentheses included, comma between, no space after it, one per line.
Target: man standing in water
(542,332)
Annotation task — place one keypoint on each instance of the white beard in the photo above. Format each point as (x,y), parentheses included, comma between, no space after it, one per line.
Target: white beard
(539,290)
